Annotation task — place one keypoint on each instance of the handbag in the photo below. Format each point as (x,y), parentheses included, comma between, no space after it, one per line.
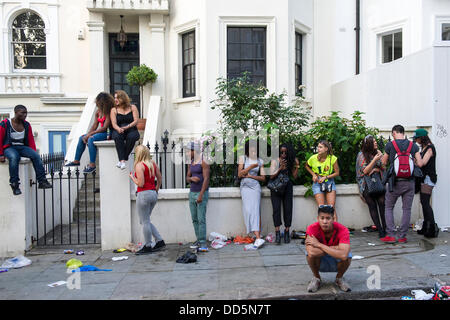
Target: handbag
(278,184)
(373,184)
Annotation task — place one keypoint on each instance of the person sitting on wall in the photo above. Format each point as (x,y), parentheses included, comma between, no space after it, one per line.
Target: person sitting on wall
(328,248)
(124,118)
(104,102)
(16,141)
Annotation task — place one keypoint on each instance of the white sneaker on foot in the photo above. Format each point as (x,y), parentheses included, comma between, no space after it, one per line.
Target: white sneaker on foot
(342,285)
(314,285)
(123,165)
(118,164)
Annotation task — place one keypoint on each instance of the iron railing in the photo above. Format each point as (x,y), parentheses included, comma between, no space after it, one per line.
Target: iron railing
(67,213)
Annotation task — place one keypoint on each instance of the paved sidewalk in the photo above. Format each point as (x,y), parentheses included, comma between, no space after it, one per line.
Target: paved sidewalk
(272,272)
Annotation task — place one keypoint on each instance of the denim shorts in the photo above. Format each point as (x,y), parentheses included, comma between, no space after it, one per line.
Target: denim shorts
(329,264)
(316,186)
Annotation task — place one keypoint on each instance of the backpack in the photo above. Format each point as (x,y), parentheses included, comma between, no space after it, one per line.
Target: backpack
(403,162)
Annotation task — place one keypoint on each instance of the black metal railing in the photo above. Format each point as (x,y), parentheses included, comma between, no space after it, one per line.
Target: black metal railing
(174,172)
(53,161)
(66,214)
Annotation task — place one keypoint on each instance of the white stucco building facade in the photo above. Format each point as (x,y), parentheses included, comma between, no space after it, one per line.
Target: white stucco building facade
(403,60)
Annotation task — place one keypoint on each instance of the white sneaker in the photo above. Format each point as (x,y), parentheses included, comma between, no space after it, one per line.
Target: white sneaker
(118,164)
(123,165)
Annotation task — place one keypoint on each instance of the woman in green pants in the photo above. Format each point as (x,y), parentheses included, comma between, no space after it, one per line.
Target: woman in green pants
(198,177)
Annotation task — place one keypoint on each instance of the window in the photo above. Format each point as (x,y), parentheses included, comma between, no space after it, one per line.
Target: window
(29,42)
(392,46)
(246,51)
(58,141)
(298,62)
(445,32)
(188,48)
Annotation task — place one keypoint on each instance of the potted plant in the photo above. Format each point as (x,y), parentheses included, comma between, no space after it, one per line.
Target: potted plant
(141,76)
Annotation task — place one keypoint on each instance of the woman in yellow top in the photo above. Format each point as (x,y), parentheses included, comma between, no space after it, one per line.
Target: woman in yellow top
(323,168)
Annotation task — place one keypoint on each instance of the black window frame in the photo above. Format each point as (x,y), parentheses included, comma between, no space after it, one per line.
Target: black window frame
(238,58)
(189,85)
(298,63)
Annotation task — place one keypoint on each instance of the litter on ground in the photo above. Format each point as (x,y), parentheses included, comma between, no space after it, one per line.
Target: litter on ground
(89,268)
(119,258)
(57,284)
(17,262)
(242,240)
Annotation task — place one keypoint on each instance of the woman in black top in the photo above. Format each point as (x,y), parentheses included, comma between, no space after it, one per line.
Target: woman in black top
(428,154)
(288,164)
(124,118)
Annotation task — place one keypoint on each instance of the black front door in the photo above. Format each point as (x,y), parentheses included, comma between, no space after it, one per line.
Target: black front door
(122,60)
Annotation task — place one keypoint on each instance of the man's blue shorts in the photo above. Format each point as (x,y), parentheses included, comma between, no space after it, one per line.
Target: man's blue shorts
(329,263)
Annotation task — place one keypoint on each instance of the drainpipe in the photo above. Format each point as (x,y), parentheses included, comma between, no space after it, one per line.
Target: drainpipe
(358,35)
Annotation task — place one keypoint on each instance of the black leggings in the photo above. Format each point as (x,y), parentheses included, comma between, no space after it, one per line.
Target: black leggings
(376,204)
(286,198)
(125,143)
(428,214)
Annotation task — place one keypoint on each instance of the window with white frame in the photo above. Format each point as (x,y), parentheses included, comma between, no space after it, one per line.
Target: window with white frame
(28,41)
(445,31)
(391,46)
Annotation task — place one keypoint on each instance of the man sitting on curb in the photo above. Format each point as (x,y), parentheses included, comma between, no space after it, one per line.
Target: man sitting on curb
(16,140)
(328,248)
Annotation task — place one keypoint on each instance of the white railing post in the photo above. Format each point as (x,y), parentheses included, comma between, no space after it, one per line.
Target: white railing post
(115,198)
(16,212)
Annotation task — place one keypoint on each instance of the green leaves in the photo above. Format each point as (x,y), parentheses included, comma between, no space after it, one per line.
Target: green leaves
(141,76)
(245,106)
(345,136)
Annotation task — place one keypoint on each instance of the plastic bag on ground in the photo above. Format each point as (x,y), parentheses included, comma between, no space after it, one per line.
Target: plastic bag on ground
(250,247)
(73,264)
(89,268)
(254,246)
(422,295)
(217,244)
(188,257)
(418,225)
(270,238)
(215,235)
(17,262)
(241,240)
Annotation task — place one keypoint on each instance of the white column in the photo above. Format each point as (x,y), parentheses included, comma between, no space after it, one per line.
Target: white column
(145,48)
(157,55)
(96,47)
(115,198)
(441,135)
(53,50)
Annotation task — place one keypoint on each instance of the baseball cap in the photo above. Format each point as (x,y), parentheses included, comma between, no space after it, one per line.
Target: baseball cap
(420,133)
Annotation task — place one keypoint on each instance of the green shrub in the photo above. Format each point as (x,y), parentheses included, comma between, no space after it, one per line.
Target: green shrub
(244,106)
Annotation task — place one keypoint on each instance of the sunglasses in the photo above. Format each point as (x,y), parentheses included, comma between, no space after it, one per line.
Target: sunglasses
(325,206)
(367,137)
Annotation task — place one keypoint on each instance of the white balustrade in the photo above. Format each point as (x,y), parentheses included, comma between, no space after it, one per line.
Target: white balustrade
(149,5)
(29,83)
